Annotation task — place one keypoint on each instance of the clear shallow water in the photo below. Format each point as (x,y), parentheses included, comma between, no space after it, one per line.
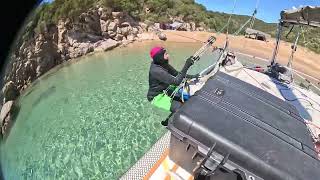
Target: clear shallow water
(90,119)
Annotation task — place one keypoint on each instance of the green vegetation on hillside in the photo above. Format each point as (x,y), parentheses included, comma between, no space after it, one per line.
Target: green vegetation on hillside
(161,11)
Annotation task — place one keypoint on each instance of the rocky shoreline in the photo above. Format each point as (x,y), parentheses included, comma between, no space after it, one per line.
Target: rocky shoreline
(96,30)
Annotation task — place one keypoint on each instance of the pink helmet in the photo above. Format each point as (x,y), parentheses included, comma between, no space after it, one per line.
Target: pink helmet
(155,51)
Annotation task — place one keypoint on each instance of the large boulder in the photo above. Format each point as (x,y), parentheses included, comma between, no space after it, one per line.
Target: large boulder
(105,45)
(193,26)
(130,38)
(46,55)
(126,30)
(135,31)
(162,36)
(10,91)
(6,126)
(6,109)
(104,25)
(157,25)
(80,49)
(93,38)
(125,24)
(104,14)
(118,31)
(6,116)
(151,29)
(144,26)
(105,35)
(45,63)
(185,27)
(130,20)
(119,37)
(29,73)
(112,34)
(62,31)
(117,15)
(199,29)
(75,36)
(112,26)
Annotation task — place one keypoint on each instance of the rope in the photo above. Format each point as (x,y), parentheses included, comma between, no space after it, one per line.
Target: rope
(187,37)
(228,22)
(287,88)
(255,80)
(240,29)
(309,82)
(251,19)
(234,6)
(257,3)
(276,49)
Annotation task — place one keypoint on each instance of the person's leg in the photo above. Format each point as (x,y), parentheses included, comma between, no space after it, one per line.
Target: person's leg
(175,105)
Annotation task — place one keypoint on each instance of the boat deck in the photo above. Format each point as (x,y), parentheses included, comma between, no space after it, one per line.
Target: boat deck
(156,164)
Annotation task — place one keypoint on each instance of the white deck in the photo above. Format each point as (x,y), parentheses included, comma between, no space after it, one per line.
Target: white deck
(306,101)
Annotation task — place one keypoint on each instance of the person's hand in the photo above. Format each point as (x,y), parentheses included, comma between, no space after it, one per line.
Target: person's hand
(190,61)
(197,76)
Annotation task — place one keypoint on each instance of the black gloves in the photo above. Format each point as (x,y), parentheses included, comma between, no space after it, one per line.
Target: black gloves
(190,61)
(196,76)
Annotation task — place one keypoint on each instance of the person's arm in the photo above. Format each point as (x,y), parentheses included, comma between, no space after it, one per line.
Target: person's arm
(172,70)
(165,77)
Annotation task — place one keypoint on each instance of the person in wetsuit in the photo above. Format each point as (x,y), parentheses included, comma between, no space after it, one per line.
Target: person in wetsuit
(162,75)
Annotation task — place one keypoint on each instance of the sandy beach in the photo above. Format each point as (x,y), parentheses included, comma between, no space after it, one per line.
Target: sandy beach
(304,61)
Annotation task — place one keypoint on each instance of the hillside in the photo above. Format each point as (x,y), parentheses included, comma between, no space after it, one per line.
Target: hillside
(163,11)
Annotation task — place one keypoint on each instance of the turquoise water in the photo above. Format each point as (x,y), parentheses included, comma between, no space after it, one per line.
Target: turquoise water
(89,119)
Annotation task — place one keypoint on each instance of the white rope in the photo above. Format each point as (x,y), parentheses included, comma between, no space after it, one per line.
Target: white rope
(251,19)
(309,82)
(234,6)
(257,3)
(228,22)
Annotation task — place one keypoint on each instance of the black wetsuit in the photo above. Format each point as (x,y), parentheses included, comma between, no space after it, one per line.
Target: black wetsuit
(162,75)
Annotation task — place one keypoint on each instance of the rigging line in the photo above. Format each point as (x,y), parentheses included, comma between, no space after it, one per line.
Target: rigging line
(257,3)
(240,29)
(255,80)
(234,6)
(187,37)
(250,20)
(309,83)
(227,24)
(290,31)
(297,99)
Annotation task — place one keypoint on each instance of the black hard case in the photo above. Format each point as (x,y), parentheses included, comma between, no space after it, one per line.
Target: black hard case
(264,136)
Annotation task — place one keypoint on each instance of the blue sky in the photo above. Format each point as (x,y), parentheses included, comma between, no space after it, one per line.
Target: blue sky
(268,10)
